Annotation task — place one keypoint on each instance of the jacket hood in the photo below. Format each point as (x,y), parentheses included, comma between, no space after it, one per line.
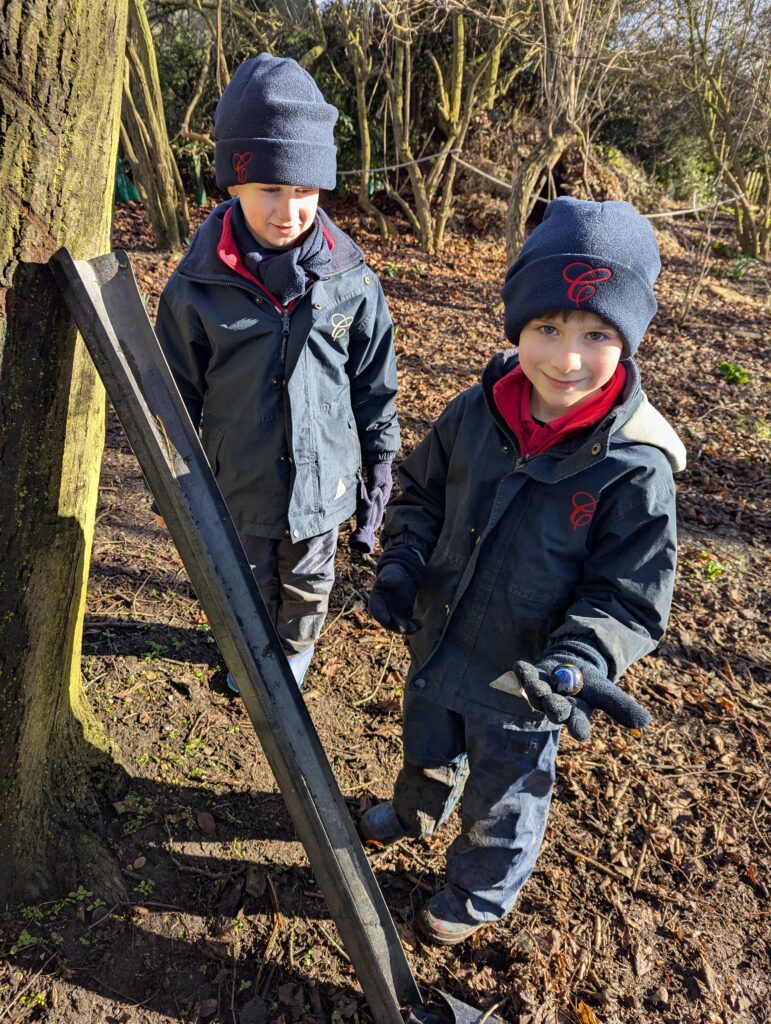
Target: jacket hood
(646,425)
(633,421)
(201,259)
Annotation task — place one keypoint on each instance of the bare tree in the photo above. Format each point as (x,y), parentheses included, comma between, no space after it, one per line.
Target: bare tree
(575,59)
(145,138)
(466,82)
(729,77)
(358,28)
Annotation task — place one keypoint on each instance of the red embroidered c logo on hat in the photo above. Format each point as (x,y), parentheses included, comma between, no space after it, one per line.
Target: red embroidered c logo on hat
(240,163)
(582,279)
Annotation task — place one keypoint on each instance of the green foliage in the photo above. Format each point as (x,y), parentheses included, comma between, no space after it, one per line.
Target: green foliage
(712,569)
(145,888)
(24,941)
(740,265)
(32,1000)
(686,170)
(732,373)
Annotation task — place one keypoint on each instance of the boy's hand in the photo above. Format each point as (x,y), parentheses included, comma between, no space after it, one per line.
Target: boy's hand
(399,575)
(526,681)
(600,694)
(596,694)
(370,506)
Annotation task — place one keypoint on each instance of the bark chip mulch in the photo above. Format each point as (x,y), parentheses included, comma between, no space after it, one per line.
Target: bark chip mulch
(650,899)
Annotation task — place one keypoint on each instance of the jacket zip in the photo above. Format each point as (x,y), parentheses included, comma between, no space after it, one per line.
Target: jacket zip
(504,429)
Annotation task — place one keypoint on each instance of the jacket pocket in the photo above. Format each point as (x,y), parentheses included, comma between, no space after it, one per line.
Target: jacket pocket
(339,453)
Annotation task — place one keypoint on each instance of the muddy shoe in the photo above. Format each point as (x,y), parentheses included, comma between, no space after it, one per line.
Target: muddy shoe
(436,923)
(380,825)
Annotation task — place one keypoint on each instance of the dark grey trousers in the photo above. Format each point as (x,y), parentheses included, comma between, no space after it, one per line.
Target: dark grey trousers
(295,581)
(505,778)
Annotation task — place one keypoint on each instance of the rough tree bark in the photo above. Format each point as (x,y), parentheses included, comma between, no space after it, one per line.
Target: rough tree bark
(524,191)
(59,114)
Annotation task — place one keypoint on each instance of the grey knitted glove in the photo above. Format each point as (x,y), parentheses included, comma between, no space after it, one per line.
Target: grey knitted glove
(537,685)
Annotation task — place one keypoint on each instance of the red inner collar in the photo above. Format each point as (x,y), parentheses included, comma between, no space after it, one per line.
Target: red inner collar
(512,399)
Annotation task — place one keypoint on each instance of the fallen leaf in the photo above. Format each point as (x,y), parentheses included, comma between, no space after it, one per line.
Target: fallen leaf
(586,1014)
(255,880)
(253,1012)
(206,822)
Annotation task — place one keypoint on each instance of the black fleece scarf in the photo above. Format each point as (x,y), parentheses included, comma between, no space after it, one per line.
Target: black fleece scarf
(286,273)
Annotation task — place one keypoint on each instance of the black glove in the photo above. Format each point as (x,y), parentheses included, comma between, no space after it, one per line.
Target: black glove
(400,572)
(538,684)
(370,506)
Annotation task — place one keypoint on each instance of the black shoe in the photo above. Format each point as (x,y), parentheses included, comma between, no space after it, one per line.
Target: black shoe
(437,923)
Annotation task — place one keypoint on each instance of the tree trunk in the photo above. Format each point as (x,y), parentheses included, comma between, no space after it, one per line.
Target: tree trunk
(144,122)
(59,108)
(523,192)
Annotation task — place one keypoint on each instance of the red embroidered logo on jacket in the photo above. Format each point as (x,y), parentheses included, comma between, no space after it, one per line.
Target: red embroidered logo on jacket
(584,507)
(240,163)
(583,279)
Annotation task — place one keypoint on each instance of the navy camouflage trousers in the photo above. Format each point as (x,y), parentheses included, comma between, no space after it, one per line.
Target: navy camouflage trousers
(295,580)
(505,778)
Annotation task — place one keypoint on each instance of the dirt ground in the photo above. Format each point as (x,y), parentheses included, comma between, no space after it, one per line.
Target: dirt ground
(650,899)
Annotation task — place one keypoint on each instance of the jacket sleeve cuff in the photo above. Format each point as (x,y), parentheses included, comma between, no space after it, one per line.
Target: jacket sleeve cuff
(408,539)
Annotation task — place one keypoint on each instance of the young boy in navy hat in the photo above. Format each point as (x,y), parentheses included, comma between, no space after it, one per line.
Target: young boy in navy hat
(530,558)
(281,344)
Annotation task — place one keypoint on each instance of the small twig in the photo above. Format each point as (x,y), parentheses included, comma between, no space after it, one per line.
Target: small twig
(641,863)
(188,868)
(194,726)
(358,703)
(142,586)
(274,932)
(489,1012)
(339,615)
(611,872)
(335,945)
(419,883)
(106,917)
(127,999)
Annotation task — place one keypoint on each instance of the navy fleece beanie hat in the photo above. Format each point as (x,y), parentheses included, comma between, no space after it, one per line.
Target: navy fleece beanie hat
(596,257)
(272,125)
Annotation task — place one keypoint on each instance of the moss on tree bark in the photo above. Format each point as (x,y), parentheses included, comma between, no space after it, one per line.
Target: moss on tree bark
(59,116)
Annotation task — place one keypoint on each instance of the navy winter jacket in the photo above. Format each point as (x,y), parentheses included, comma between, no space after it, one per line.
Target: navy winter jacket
(290,405)
(569,554)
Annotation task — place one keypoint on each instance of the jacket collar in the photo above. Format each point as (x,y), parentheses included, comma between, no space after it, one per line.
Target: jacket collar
(201,261)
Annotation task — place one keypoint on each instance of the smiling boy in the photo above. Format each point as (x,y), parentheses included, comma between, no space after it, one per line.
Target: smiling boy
(281,344)
(529,557)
